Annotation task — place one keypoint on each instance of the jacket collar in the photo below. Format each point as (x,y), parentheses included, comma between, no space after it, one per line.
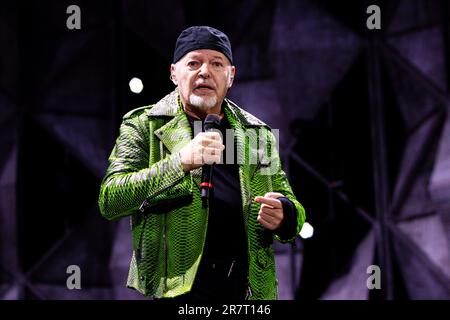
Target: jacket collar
(170,106)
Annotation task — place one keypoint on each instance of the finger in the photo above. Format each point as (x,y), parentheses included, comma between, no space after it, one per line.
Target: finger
(212,144)
(272,202)
(212,135)
(216,145)
(274,222)
(207,142)
(264,223)
(272,212)
(273,195)
(211,159)
(211,151)
(263,200)
(207,136)
(267,217)
(197,156)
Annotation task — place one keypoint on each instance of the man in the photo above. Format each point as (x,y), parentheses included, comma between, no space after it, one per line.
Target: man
(181,247)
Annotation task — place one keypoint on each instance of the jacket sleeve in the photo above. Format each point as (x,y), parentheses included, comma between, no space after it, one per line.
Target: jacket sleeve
(130,181)
(288,226)
(281,184)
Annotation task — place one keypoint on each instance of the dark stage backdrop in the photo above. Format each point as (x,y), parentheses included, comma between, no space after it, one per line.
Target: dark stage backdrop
(362,114)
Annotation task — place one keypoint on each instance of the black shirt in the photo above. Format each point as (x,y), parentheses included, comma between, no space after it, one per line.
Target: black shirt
(226,237)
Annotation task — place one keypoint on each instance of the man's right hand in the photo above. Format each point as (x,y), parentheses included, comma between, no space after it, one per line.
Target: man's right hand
(205,148)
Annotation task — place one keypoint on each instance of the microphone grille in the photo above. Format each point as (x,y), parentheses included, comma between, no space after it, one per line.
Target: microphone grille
(212,121)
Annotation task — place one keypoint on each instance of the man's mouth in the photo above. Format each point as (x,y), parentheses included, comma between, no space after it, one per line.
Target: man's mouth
(203,88)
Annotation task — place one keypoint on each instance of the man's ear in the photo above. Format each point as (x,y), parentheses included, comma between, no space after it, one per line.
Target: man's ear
(231,79)
(172,74)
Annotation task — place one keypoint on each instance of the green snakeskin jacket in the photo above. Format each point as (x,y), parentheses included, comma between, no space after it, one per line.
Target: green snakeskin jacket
(146,182)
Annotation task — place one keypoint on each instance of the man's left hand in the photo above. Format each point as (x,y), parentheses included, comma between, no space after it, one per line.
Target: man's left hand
(271,212)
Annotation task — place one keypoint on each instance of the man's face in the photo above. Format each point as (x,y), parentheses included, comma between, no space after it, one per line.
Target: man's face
(203,78)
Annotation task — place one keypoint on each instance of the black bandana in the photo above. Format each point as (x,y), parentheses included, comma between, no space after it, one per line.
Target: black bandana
(202,37)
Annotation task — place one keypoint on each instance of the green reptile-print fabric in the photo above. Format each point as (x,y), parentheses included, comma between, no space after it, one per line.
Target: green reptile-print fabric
(145,181)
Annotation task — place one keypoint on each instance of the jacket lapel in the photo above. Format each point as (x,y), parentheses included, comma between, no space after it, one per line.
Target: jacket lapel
(177,132)
(242,150)
(174,135)
(242,123)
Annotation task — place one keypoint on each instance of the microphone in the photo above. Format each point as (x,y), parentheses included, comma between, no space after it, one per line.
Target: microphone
(212,122)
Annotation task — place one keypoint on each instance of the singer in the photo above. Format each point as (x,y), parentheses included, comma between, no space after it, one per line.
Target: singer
(202,228)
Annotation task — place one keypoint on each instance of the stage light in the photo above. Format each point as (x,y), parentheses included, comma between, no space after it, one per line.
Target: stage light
(307,231)
(136,85)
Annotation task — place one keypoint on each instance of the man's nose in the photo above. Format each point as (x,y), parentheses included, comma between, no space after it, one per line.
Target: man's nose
(204,71)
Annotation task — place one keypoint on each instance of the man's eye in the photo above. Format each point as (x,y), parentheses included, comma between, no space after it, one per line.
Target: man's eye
(193,64)
(217,64)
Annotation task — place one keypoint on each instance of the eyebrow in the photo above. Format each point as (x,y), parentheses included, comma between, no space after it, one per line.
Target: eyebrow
(196,56)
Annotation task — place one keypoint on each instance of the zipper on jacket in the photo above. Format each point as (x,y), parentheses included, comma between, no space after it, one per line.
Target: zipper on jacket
(250,201)
(146,202)
(249,292)
(139,248)
(165,252)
